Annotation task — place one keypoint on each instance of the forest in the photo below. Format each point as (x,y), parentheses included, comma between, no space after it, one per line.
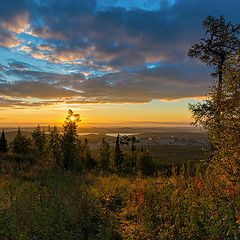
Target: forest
(52,187)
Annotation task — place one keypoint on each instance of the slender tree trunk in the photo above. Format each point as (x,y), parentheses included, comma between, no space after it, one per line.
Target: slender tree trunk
(219,98)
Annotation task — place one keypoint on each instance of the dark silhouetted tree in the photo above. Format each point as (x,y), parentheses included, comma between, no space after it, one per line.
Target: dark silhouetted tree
(3,143)
(125,140)
(69,140)
(221,41)
(118,156)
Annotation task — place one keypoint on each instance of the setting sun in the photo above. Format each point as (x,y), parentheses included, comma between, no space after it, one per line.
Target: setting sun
(72,118)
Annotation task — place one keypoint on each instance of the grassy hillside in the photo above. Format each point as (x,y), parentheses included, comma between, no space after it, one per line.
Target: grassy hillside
(53,204)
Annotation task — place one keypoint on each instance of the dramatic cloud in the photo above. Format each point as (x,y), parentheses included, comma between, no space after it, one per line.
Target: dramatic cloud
(35,90)
(21,104)
(7,39)
(104,52)
(134,86)
(14,19)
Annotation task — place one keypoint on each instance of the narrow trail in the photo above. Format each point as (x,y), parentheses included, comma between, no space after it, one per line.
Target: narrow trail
(120,223)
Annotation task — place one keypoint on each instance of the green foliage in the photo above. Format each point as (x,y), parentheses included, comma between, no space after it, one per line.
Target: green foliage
(219,114)
(21,143)
(63,205)
(21,147)
(39,143)
(226,152)
(85,156)
(221,120)
(144,163)
(54,206)
(54,140)
(104,156)
(222,40)
(128,165)
(179,208)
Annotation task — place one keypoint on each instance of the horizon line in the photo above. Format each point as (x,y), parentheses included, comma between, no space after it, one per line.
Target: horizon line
(97,124)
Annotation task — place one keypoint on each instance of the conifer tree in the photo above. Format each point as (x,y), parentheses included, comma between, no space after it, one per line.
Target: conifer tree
(86,156)
(39,142)
(219,114)
(118,156)
(144,163)
(54,139)
(3,143)
(21,143)
(104,155)
(222,39)
(126,139)
(226,152)
(69,140)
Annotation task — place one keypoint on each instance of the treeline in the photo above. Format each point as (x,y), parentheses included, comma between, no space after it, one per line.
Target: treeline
(64,149)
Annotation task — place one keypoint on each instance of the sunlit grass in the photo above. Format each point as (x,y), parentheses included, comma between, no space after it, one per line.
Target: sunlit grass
(53,204)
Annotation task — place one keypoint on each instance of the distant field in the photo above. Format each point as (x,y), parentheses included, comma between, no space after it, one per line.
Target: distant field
(166,155)
(167,134)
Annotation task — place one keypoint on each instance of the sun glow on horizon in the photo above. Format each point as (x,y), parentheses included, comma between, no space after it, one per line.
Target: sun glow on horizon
(72,118)
(156,111)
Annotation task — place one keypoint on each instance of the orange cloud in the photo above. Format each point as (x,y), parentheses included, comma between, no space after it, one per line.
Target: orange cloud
(18,23)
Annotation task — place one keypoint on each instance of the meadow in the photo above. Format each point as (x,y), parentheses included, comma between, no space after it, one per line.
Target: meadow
(42,202)
(169,155)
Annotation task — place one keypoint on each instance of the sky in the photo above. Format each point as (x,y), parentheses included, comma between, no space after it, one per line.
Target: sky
(111,61)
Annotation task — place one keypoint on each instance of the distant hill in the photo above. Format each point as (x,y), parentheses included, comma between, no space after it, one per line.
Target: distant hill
(94,134)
